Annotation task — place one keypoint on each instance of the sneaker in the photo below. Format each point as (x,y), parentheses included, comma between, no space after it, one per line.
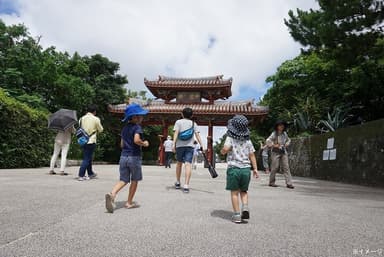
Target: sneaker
(82,178)
(93,176)
(236,218)
(273,185)
(177,185)
(63,173)
(245,213)
(51,172)
(290,186)
(186,190)
(109,203)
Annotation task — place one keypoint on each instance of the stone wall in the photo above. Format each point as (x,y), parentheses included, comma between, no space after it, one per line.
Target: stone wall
(359,155)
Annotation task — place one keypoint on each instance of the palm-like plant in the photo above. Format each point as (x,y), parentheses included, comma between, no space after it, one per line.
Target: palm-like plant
(335,120)
(302,121)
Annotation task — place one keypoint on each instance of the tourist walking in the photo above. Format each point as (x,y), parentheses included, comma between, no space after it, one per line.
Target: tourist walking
(168,148)
(130,160)
(92,125)
(265,156)
(62,143)
(240,158)
(279,141)
(185,132)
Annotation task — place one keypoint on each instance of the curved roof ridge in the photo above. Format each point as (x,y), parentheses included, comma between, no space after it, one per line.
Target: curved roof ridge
(217,77)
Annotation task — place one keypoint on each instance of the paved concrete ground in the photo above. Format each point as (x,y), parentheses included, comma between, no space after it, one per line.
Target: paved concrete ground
(42,215)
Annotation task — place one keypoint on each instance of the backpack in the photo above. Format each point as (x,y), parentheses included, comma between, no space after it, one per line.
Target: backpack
(188,133)
(82,135)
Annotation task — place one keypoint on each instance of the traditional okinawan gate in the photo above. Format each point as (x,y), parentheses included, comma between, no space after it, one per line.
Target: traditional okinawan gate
(206,98)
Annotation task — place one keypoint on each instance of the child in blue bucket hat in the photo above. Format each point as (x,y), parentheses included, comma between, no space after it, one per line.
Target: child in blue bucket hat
(130,160)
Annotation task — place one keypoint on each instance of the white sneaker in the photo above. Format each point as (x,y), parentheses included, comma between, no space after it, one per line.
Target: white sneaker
(82,178)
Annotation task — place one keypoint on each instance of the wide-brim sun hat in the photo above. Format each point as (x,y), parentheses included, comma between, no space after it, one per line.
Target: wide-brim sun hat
(133,110)
(238,127)
(281,122)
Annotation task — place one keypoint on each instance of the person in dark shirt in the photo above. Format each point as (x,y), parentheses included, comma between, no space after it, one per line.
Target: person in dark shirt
(130,160)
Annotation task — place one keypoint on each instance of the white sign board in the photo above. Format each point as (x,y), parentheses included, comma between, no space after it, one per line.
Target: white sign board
(325,155)
(330,143)
(332,154)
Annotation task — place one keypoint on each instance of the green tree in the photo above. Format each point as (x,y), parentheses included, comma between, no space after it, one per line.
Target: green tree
(47,79)
(342,63)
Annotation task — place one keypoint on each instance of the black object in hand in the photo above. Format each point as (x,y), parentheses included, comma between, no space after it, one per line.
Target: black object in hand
(211,169)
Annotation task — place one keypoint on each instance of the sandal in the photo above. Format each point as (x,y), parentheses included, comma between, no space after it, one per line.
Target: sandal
(132,206)
(109,202)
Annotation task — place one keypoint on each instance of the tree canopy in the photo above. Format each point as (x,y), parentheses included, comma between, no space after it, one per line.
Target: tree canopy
(47,79)
(341,64)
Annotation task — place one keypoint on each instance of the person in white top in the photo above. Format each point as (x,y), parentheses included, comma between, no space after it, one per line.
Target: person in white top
(62,143)
(168,148)
(196,149)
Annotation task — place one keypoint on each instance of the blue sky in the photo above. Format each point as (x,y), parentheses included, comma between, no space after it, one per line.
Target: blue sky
(8,7)
(246,40)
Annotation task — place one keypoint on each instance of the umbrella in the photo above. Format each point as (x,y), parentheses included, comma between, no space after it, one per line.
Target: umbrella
(62,119)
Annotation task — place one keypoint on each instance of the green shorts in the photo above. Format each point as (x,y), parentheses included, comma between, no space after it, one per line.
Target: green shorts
(238,179)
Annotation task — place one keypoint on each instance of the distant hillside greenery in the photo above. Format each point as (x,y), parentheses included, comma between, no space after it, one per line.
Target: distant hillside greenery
(35,81)
(338,79)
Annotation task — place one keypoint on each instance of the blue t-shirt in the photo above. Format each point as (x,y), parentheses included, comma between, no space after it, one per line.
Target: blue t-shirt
(128,135)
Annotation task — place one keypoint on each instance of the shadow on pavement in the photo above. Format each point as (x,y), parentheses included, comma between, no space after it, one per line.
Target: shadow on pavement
(225,215)
(168,188)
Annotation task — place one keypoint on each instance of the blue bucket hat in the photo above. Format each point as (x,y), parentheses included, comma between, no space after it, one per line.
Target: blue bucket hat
(133,110)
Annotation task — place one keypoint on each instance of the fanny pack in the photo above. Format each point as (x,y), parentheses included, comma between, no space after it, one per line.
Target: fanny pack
(279,150)
(187,134)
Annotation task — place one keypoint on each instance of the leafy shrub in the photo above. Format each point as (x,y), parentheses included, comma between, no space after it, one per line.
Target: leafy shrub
(25,140)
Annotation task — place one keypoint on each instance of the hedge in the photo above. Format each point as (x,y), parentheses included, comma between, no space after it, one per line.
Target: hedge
(25,141)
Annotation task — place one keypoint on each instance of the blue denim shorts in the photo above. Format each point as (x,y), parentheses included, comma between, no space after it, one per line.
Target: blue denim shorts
(130,168)
(184,154)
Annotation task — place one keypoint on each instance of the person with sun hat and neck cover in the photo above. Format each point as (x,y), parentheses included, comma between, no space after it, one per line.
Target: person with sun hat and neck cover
(241,159)
(279,141)
(130,160)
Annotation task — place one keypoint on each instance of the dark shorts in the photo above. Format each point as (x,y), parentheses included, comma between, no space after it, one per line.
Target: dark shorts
(184,154)
(238,179)
(130,168)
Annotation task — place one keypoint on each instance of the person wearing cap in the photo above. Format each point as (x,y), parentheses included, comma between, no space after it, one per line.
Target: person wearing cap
(168,148)
(185,132)
(92,125)
(130,160)
(240,159)
(279,141)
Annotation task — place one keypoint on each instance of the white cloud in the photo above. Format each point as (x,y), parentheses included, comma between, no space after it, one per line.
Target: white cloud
(170,37)
(149,38)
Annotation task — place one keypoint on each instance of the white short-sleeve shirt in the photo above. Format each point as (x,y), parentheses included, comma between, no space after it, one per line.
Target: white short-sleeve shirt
(238,156)
(184,124)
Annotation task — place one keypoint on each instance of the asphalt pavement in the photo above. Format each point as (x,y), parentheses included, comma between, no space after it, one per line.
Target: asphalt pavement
(51,215)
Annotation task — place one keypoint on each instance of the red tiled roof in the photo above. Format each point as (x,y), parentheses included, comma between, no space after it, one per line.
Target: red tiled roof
(223,108)
(211,88)
(203,82)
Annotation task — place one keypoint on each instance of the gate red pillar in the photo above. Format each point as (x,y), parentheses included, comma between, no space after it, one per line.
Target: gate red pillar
(210,143)
(162,137)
